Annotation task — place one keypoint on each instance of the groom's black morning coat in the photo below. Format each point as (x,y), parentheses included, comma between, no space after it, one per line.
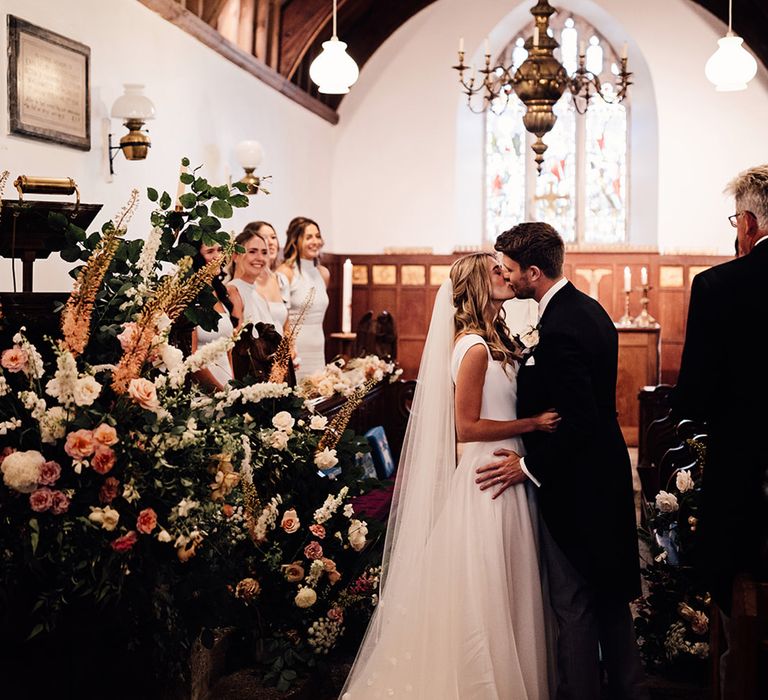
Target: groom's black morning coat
(586,494)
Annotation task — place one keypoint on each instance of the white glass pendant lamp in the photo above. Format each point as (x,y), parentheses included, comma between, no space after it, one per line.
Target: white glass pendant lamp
(334,71)
(731,67)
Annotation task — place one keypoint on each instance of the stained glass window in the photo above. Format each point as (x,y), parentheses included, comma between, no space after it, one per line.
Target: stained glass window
(582,189)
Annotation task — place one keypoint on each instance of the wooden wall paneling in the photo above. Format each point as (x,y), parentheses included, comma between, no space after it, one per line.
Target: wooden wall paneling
(247,25)
(638,367)
(415,317)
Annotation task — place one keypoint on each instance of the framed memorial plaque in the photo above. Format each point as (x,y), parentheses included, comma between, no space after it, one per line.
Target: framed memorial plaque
(48,85)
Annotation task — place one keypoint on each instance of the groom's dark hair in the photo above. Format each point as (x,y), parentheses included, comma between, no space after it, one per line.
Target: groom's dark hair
(534,243)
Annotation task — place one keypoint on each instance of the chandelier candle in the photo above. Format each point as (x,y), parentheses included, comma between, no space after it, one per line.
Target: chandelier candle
(346,298)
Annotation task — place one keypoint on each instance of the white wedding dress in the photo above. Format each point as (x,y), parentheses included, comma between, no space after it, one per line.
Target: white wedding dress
(463,620)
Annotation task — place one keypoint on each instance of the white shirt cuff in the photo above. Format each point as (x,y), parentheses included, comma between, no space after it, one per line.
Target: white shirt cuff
(528,474)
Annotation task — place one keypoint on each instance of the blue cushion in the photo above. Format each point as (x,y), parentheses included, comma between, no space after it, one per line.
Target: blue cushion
(365,460)
(382,455)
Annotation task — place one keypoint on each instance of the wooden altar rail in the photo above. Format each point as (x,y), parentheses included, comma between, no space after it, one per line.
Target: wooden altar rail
(405,285)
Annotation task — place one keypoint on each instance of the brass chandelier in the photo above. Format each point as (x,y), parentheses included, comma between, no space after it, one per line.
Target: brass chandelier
(539,82)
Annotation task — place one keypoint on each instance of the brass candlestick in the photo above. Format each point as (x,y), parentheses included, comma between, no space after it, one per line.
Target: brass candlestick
(626,320)
(644,319)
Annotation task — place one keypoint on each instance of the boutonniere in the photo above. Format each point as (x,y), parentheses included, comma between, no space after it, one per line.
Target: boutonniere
(527,342)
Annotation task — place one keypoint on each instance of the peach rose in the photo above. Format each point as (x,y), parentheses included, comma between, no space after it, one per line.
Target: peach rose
(336,614)
(144,393)
(128,335)
(80,444)
(147,521)
(313,551)
(290,522)
(14,359)
(227,510)
(105,434)
(126,542)
(294,572)
(103,460)
(318,531)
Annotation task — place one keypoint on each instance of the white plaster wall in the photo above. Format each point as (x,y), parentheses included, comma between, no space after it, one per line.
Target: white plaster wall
(408,158)
(204,103)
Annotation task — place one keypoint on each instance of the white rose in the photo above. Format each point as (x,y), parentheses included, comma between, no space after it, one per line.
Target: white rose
(86,390)
(130,493)
(106,517)
(349,511)
(290,521)
(164,536)
(666,502)
(163,322)
(325,388)
(318,423)
(357,531)
(284,421)
(684,481)
(185,506)
(279,440)
(53,425)
(144,393)
(305,598)
(326,459)
(21,470)
(530,339)
(171,356)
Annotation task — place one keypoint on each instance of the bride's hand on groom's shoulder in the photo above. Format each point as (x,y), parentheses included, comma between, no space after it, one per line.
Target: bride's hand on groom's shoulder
(502,474)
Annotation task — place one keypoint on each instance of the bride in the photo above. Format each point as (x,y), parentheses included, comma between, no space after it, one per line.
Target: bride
(460,615)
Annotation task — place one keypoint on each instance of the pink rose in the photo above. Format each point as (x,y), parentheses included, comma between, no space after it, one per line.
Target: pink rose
(318,531)
(41,500)
(49,473)
(105,434)
(147,521)
(5,452)
(79,444)
(108,490)
(14,359)
(126,542)
(313,551)
(336,614)
(60,503)
(103,460)
(128,335)
(144,393)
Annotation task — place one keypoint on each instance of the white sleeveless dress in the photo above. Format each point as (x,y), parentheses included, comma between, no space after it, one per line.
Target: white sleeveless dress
(255,307)
(279,309)
(220,367)
(471,625)
(310,342)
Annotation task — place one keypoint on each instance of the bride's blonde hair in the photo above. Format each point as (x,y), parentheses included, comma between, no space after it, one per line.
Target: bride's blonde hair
(475,313)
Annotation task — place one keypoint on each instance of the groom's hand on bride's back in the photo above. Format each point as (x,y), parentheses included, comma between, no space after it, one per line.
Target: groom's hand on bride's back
(501,474)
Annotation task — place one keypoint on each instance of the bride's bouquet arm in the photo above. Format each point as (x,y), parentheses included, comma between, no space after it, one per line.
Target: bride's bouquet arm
(468,402)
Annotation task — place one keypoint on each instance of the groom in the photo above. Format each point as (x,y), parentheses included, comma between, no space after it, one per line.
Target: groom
(582,471)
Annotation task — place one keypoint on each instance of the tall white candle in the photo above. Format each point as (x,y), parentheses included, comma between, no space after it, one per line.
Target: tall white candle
(624,51)
(535,36)
(461,44)
(487,48)
(180,188)
(627,280)
(346,298)
(644,276)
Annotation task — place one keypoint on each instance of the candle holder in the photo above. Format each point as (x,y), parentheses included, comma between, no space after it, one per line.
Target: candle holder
(644,319)
(626,320)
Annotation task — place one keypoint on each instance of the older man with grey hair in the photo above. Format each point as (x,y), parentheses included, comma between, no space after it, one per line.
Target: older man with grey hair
(723,382)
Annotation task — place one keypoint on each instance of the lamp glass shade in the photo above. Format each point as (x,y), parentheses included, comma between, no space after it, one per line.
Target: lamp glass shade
(731,67)
(133,104)
(334,71)
(249,154)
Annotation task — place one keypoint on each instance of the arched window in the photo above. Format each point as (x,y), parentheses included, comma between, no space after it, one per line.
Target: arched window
(582,189)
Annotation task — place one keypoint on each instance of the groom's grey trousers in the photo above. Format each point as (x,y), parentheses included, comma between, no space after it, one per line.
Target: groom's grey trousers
(589,627)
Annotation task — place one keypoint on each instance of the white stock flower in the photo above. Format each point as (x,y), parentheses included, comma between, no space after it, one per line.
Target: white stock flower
(9,425)
(21,470)
(684,481)
(4,387)
(130,492)
(358,529)
(146,263)
(106,517)
(666,502)
(164,536)
(185,506)
(349,511)
(284,421)
(53,425)
(171,356)
(86,390)
(325,459)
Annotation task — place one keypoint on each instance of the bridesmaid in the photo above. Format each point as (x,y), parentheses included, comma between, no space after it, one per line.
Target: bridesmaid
(218,373)
(248,305)
(301,267)
(272,285)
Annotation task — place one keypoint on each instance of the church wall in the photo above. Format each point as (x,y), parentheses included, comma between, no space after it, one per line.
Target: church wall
(408,165)
(204,106)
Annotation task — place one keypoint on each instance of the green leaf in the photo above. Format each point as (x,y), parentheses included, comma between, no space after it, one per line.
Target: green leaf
(185,162)
(239,200)
(240,186)
(165,200)
(200,184)
(211,223)
(152,194)
(221,208)
(289,675)
(220,192)
(93,240)
(187,178)
(201,210)
(188,200)
(70,255)
(37,629)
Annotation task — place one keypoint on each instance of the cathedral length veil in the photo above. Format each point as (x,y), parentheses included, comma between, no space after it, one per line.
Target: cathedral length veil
(427,464)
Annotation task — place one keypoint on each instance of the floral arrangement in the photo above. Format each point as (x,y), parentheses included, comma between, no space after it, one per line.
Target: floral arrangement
(130,494)
(526,342)
(342,377)
(672,622)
